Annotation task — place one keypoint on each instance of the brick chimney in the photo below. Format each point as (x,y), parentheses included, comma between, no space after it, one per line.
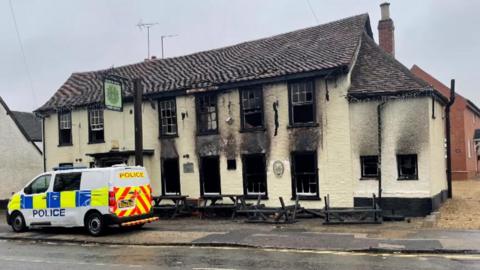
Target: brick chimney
(386,38)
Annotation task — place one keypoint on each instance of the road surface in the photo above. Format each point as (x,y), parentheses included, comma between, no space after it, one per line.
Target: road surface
(39,256)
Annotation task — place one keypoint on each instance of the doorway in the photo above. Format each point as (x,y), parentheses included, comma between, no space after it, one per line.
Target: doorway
(210,175)
(170,177)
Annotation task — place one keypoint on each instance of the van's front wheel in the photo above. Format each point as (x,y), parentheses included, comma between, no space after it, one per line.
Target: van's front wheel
(95,224)
(18,222)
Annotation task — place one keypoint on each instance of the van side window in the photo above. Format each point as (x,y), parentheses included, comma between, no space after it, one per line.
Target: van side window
(38,185)
(67,181)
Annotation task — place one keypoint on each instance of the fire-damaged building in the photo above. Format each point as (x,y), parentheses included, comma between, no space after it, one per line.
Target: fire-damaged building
(322,110)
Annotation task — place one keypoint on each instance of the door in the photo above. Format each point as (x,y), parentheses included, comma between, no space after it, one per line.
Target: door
(210,175)
(170,176)
(66,201)
(34,201)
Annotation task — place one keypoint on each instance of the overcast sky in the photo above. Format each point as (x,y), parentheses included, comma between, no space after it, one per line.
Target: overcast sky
(61,37)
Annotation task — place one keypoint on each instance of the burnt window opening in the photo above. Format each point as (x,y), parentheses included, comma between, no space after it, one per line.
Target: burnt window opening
(302,102)
(96,132)
(254,176)
(65,128)
(231,164)
(210,175)
(407,167)
(369,166)
(206,114)
(252,108)
(168,117)
(305,175)
(67,182)
(171,176)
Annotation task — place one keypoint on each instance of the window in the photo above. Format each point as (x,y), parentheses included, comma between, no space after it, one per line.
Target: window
(302,102)
(254,175)
(67,182)
(95,126)
(170,176)
(168,117)
(369,165)
(206,114)
(407,167)
(252,108)
(39,185)
(469,149)
(231,164)
(65,128)
(305,175)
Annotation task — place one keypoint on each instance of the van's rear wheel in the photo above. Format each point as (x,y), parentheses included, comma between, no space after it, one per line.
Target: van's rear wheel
(95,224)
(18,222)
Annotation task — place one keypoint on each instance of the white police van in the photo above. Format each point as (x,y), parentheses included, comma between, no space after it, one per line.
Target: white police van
(93,198)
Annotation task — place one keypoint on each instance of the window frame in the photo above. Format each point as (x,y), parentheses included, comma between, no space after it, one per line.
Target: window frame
(198,114)
(247,195)
(60,142)
(59,175)
(412,177)
(162,132)
(255,88)
(33,181)
(91,139)
(294,180)
(362,172)
(291,106)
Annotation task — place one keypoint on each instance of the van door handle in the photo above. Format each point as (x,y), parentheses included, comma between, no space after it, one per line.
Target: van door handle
(44,197)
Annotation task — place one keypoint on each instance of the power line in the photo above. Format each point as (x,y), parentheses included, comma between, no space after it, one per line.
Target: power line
(29,75)
(313,12)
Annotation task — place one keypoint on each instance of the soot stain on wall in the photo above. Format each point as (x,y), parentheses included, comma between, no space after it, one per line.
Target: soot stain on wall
(168,148)
(254,143)
(208,145)
(304,139)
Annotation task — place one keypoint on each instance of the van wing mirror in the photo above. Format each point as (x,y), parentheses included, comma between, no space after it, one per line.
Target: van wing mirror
(27,190)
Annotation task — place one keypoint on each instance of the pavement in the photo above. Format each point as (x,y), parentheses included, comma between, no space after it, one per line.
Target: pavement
(307,235)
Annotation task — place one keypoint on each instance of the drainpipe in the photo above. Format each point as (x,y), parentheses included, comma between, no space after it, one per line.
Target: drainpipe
(379,131)
(44,150)
(449,150)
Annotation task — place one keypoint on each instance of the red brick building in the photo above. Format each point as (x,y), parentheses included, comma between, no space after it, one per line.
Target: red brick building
(465,130)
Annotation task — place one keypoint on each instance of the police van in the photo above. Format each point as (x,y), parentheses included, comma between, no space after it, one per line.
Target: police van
(92,198)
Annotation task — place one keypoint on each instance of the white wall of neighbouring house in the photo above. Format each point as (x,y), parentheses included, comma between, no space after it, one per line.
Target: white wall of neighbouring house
(20,160)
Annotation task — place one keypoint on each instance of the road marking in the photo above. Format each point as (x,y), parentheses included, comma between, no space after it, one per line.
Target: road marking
(32,260)
(213,269)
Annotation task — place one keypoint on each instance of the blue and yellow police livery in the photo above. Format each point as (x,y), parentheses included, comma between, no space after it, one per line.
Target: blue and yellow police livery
(94,198)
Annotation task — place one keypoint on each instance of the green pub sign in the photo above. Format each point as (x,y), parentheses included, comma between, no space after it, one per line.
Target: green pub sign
(113,95)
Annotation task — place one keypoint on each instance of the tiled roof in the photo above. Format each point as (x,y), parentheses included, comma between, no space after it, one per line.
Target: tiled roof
(377,72)
(31,124)
(439,86)
(316,48)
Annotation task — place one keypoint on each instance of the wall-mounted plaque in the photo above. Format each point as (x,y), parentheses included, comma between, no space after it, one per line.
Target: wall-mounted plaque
(278,168)
(188,167)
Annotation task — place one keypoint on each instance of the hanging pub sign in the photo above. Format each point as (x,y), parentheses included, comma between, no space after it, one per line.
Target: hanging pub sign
(113,95)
